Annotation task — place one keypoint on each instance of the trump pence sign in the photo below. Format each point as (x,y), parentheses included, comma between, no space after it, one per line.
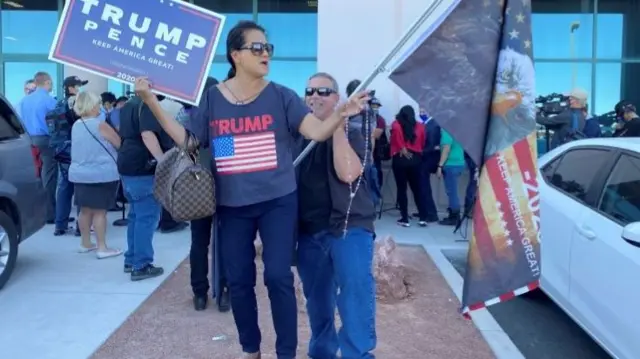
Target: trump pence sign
(169,41)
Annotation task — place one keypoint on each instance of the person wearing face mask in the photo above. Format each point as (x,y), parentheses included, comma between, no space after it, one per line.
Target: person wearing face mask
(249,124)
(429,165)
(629,126)
(569,124)
(335,268)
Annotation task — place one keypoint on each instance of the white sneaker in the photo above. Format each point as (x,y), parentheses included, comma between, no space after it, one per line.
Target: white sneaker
(109,253)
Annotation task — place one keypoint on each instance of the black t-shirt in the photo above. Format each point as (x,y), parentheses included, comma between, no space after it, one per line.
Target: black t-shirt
(134,157)
(324,198)
(631,128)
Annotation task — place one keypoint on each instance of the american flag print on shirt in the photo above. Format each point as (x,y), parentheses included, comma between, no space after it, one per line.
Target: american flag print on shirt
(246,153)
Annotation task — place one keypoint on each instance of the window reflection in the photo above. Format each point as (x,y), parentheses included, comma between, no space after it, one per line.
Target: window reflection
(621,195)
(16,73)
(293,74)
(234,11)
(577,170)
(559,77)
(28,26)
(291,25)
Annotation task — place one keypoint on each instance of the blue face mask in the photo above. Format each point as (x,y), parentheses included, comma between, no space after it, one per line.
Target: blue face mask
(424,117)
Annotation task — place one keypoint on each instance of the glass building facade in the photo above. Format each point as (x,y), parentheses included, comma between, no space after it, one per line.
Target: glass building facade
(588,43)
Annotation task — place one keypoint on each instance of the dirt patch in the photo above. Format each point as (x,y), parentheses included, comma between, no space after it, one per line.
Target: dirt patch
(427,325)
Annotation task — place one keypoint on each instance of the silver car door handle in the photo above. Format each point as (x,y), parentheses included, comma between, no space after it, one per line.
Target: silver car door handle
(586,232)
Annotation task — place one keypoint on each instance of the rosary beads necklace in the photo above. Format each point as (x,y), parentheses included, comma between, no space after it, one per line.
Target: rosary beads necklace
(352,190)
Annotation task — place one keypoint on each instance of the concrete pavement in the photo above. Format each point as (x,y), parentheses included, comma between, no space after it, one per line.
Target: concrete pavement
(61,304)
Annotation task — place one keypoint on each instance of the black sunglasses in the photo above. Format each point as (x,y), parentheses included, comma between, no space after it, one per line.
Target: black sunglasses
(321,91)
(258,48)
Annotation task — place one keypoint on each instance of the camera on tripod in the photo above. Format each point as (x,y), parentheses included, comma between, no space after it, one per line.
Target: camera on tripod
(552,104)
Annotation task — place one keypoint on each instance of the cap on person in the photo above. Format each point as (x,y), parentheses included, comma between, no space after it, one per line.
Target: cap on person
(623,107)
(73,81)
(580,95)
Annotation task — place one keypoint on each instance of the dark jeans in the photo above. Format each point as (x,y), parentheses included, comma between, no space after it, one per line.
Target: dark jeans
(144,214)
(199,255)
(429,205)
(275,220)
(337,271)
(472,187)
(407,172)
(166,220)
(64,197)
(49,173)
(378,163)
(451,176)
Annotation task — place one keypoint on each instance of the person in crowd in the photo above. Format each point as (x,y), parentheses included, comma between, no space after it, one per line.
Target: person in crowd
(167,223)
(143,143)
(381,149)
(592,127)
(334,266)
(108,102)
(29,87)
(472,186)
(407,142)
(567,124)
(33,109)
(62,135)
(121,101)
(451,166)
(429,165)
(201,235)
(94,172)
(260,196)
(630,121)
(370,113)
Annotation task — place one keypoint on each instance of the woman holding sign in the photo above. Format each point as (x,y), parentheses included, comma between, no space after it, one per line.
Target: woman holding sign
(248,123)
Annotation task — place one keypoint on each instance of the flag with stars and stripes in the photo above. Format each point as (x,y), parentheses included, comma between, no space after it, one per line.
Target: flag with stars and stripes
(474,75)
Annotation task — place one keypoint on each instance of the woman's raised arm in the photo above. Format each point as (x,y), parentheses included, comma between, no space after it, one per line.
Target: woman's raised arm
(174,129)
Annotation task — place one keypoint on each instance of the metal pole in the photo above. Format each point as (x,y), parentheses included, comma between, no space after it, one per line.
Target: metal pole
(382,65)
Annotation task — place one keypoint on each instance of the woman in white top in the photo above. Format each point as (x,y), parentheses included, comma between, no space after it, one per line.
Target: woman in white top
(94,172)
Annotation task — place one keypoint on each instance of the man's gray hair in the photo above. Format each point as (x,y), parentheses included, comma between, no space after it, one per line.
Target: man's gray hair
(328,77)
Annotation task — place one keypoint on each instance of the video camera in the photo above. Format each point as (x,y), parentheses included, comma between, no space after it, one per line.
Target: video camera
(552,104)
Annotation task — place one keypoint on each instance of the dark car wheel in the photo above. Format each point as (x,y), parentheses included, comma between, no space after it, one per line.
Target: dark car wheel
(8,247)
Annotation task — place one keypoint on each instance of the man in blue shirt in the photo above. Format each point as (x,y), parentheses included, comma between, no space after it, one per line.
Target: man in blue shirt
(34,108)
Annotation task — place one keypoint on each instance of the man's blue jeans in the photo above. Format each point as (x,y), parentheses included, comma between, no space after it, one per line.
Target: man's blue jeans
(452,176)
(337,271)
(64,196)
(144,215)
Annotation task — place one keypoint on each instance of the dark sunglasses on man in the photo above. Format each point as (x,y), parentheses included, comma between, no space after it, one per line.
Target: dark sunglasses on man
(258,48)
(321,91)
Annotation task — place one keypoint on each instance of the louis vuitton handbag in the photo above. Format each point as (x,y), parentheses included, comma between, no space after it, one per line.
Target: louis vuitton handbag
(182,185)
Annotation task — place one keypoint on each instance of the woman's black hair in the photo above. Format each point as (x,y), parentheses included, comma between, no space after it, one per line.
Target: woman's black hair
(209,83)
(407,119)
(236,40)
(352,86)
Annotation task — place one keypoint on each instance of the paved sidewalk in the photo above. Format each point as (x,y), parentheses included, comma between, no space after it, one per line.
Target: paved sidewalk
(62,304)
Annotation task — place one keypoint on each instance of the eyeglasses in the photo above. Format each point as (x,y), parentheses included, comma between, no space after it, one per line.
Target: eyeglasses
(258,48)
(321,91)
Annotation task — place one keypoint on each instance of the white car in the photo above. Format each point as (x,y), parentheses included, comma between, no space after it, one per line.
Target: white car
(590,223)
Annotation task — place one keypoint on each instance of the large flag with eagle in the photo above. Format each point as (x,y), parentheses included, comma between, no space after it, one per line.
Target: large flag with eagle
(474,74)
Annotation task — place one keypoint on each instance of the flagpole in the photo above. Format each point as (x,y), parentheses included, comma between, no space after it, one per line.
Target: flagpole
(382,65)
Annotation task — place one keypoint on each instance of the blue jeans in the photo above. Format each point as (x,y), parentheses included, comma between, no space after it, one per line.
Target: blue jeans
(451,176)
(64,196)
(337,271)
(276,221)
(144,215)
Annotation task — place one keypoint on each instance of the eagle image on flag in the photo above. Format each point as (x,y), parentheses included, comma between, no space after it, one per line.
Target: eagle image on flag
(474,74)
